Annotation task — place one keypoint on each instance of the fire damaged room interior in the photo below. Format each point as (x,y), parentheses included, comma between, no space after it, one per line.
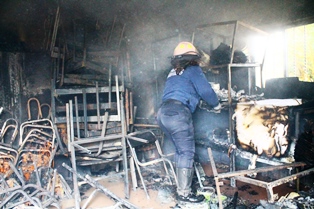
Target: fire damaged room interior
(155,104)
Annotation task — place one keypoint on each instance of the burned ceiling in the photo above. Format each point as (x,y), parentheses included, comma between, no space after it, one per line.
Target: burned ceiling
(24,23)
(152,28)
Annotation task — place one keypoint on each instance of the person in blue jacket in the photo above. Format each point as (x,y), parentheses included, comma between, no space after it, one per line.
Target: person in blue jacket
(186,85)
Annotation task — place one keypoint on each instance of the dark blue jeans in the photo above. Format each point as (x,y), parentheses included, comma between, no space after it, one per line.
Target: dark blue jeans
(175,120)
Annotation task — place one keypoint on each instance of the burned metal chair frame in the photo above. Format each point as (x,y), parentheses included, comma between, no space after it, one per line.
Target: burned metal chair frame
(37,131)
(37,124)
(40,119)
(40,108)
(49,110)
(78,143)
(36,136)
(36,145)
(131,138)
(32,193)
(10,154)
(39,115)
(43,126)
(6,127)
(93,148)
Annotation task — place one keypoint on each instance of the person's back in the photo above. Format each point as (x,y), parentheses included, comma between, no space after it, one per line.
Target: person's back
(189,88)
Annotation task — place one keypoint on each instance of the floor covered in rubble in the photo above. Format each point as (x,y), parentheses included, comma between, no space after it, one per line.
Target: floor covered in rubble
(162,192)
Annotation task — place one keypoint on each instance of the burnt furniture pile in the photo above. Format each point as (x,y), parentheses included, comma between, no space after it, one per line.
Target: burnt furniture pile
(257,124)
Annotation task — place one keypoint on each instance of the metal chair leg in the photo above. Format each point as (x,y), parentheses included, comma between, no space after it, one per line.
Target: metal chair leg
(133,173)
(140,173)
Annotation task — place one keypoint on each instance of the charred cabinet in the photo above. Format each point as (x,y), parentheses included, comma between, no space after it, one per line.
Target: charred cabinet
(233,56)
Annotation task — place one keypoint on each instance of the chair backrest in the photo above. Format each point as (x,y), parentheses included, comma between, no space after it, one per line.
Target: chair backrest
(90,103)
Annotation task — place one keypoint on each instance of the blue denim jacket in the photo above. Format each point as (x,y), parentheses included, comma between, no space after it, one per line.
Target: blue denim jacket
(189,87)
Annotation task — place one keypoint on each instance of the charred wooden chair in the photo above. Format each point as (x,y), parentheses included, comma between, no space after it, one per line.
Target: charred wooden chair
(139,139)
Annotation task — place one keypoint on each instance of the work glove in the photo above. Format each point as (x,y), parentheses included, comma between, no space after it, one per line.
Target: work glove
(203,105)
(217,109)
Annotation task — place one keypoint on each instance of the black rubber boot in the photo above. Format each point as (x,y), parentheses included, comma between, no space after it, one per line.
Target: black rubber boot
(184,193)
(192,198)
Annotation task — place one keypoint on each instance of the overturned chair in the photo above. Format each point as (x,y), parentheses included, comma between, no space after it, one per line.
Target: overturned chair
(138,139)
